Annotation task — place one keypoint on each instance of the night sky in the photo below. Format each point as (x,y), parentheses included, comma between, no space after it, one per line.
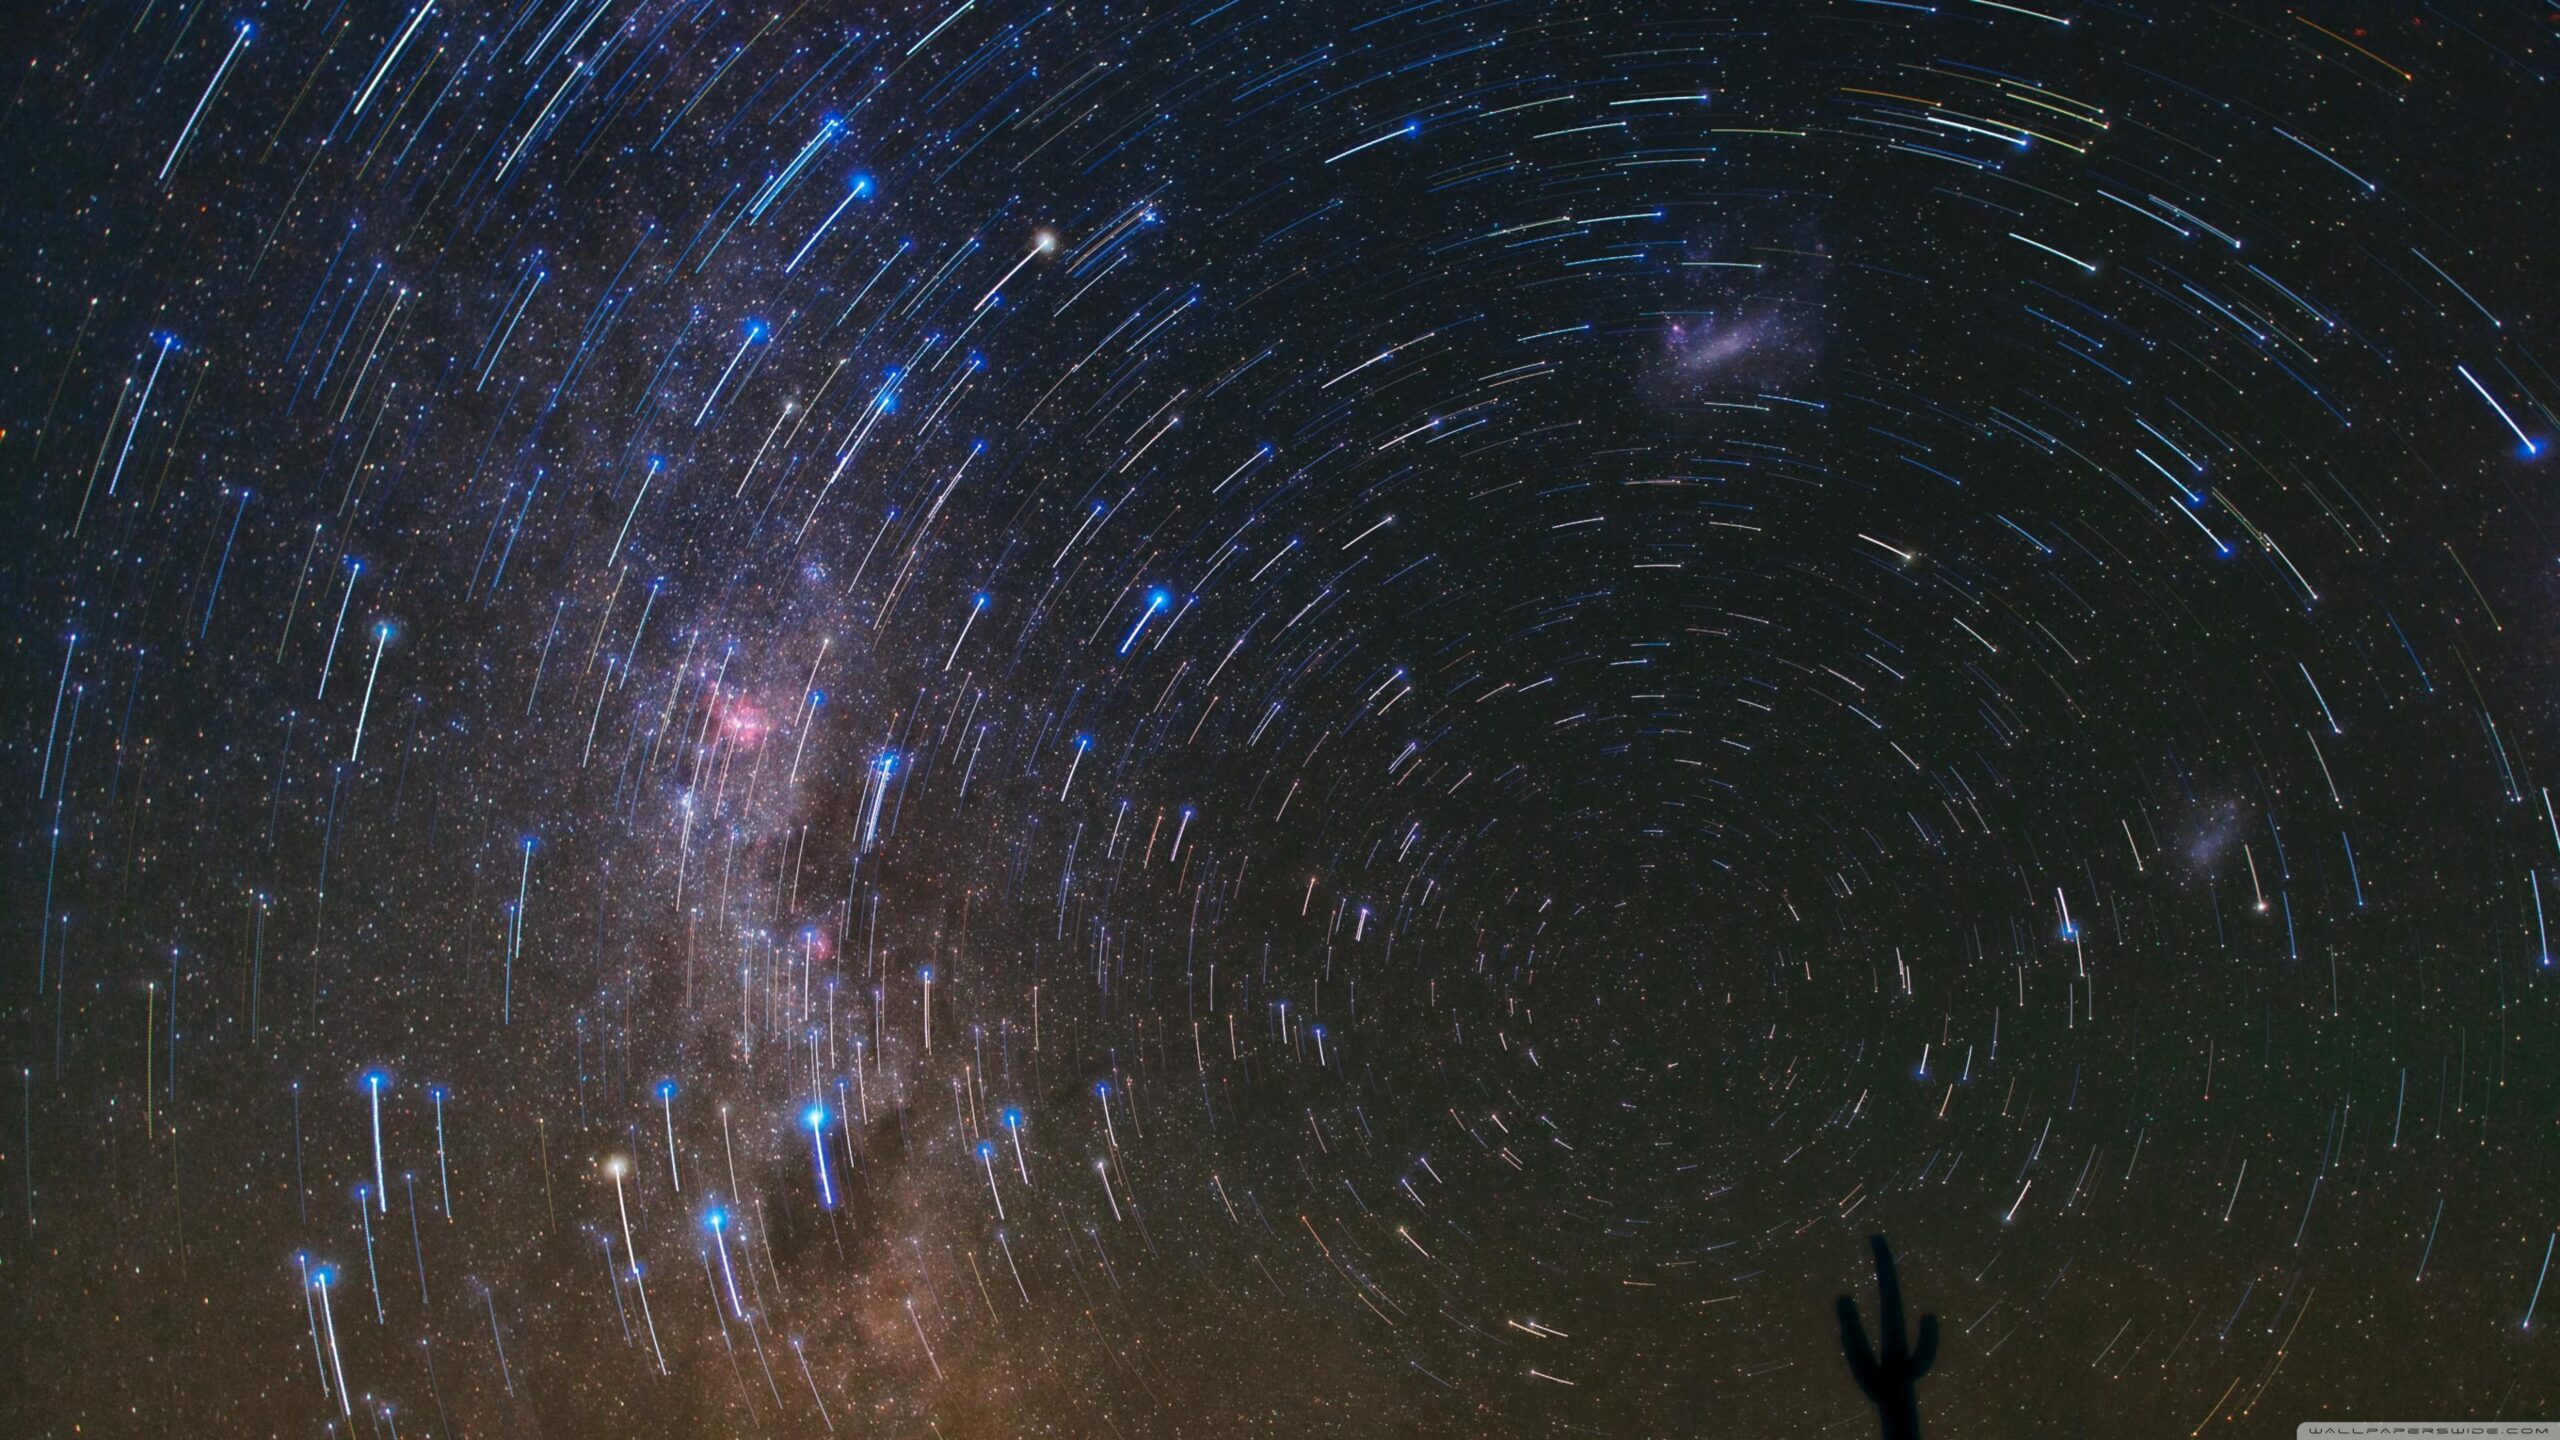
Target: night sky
(1234,718)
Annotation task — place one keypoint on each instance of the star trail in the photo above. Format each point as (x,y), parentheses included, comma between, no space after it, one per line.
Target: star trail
(1201,718)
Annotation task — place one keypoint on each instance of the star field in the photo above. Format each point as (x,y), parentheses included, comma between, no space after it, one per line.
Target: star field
(1215,719)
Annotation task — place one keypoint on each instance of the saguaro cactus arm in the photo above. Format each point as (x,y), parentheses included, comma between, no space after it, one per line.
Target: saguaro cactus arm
(1889,1378)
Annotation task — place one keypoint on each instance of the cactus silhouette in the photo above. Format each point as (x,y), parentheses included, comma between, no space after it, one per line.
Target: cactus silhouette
(1890,1380)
